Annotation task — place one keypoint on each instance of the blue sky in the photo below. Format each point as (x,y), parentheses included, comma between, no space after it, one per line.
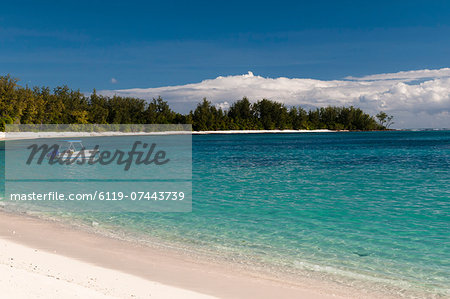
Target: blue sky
(149,44)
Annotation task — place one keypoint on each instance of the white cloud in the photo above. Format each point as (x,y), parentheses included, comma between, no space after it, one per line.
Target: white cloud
(416,98)
(408,75)
(224,105)
(113,80)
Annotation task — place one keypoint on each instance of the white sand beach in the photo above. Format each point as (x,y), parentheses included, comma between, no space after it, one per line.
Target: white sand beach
(34,135)
(46,259)
(33,273)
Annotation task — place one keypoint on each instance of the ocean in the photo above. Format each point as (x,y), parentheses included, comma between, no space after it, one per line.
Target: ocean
(361,208)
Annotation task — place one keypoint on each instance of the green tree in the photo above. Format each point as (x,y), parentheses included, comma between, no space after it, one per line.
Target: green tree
(271,115)
(207,117)
(159,112)
(384,119)
(240,116)
(10,104)
(98,109)
(314,120)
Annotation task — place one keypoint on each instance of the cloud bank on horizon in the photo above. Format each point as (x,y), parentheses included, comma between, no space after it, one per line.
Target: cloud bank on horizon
(417,99)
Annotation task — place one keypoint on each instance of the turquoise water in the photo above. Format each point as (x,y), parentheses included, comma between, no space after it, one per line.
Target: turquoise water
(366,206)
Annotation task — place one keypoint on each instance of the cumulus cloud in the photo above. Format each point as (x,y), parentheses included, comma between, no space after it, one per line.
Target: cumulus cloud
(113,80)
(417,99)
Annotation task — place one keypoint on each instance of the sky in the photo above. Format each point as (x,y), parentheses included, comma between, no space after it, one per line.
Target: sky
(118,45)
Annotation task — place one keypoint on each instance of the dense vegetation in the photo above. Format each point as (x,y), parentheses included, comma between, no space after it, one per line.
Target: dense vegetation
(40,105)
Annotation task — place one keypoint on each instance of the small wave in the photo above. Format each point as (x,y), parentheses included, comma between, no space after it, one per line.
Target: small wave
(401,287)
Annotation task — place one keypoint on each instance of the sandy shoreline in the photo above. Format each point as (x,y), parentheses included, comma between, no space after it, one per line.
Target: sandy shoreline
(33,273)
(34,135)
(161,272)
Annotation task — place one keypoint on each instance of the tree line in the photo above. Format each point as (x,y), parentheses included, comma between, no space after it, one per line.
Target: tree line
(62,105)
